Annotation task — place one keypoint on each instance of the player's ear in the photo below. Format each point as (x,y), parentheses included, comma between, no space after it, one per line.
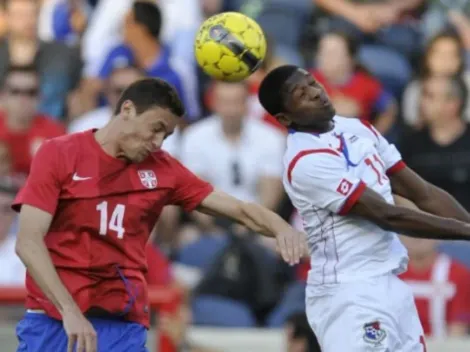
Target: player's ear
(128,110)
(283,119)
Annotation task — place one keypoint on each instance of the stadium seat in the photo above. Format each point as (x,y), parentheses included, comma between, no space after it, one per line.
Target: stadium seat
(221,312)
(292,301)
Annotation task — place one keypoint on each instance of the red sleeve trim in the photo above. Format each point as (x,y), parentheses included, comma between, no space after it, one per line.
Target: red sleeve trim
(398,166)
(197,199)
(353,198)
(303,153)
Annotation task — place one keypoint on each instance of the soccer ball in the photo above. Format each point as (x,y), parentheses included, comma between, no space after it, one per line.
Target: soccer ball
(230,46)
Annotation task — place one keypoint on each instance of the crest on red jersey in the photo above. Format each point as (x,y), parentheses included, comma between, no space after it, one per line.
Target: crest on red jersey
(148,178)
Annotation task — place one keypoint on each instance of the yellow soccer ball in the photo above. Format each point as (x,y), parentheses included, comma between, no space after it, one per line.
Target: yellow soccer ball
(230,46)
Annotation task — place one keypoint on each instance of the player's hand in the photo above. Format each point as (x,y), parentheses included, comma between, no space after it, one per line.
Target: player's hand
(80,332)
(292,245)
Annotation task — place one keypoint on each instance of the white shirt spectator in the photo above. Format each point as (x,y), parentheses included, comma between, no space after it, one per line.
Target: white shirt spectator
(100,117)
(181,19)
(12,271)
(234,168)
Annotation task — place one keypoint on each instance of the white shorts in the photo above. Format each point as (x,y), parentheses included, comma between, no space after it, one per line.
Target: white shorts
(375,314)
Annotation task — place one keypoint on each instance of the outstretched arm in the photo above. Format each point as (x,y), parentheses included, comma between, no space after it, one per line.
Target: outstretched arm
(407,221)
(427,197)
(257,218)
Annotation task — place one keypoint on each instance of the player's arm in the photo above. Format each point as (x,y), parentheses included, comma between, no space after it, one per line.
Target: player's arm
(192,193)
(403,220)
(407,184)
(258,219)
(426,196)
(37,202)
(324,181)
(30,247)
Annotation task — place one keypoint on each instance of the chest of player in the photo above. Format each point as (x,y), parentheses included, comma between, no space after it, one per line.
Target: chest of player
(362,160)
(118,199)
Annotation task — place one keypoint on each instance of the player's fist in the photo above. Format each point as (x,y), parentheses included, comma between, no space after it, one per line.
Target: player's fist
(292,245)
(80,332)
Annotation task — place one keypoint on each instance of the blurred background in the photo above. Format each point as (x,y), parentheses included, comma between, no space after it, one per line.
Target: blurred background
(403,65)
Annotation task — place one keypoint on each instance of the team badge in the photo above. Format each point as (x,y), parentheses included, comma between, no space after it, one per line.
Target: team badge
(344,187)
(373,333)
(148,178)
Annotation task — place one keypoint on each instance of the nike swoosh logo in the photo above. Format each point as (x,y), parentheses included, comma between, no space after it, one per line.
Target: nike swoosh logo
(78,178)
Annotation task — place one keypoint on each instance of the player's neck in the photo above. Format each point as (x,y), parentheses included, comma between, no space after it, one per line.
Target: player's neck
(106,137)
(18,125)
(232,133)
(146,52)
(448,131)
(317,128)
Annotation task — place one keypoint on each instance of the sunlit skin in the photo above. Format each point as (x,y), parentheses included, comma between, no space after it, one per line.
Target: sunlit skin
(133,137)
(306,104)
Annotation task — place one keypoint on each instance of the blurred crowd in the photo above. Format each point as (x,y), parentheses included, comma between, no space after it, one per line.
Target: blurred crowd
(402,65)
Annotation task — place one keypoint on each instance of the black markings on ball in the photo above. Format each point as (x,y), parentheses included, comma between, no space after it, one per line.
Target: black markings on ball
(221,35)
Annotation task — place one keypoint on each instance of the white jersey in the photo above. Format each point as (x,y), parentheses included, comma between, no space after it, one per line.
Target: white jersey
(324,176)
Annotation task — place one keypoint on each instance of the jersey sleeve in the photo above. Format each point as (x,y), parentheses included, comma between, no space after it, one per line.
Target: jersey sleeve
(42,188)
(387,151)
(322,178)
(189,190)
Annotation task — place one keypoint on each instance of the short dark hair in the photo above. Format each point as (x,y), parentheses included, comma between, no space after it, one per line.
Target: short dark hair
(152,92)
(148,14)
(270,93)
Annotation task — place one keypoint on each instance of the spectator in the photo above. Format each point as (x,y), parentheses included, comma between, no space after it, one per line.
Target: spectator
(441,287)
(22,127)
(354,92)
(239,155)
(13,271)
(388,31)
(440,152)
(299,334)
(58,65)
(444,56)
(142,47)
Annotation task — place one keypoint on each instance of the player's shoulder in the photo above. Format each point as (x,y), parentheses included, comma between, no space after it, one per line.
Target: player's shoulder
(356,126)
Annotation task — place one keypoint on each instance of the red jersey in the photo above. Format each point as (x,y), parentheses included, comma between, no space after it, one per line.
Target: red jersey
(364,89)
(442,294)
(103,212)
(23,145)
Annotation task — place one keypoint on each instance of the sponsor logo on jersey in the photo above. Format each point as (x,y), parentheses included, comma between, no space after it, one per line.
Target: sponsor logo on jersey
(373,333)
(344,187)
(148,178)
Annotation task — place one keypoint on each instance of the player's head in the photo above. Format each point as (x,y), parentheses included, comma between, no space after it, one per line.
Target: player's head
(230,103)
(21,93)
(419,248)
(119,80)
(147,112)
(296,99)
(144,20)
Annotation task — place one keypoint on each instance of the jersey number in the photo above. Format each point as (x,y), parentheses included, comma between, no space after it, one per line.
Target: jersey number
(116,221)
(373,165)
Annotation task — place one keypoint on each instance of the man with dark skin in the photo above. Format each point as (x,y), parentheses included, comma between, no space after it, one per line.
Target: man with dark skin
(342,177)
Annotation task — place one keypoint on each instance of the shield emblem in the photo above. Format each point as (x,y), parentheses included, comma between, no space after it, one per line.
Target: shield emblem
(148,178)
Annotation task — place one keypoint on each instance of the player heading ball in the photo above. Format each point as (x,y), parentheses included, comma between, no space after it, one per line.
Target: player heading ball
(86,213)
